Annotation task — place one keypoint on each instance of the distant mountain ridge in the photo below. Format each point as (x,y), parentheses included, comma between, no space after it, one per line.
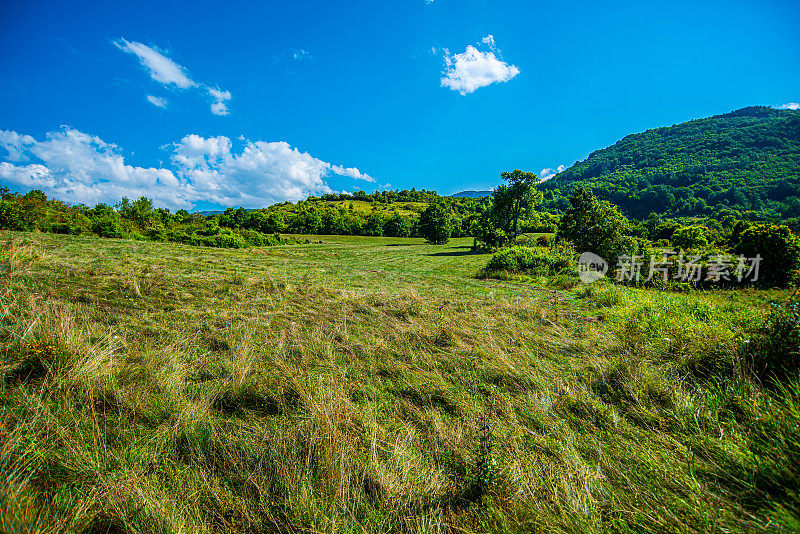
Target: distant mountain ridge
(746,160)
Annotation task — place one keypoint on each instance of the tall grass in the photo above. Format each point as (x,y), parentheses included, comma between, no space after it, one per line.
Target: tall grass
(234,392)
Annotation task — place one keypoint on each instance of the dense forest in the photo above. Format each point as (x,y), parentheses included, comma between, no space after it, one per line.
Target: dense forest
(745,164)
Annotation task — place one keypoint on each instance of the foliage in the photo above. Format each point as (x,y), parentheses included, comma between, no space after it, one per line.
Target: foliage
(690,237)
(436,224)
(776,347)
(746,162)
(536,261)
(592,225)
(778,248)
(499,221)
(139,220)
(509,199)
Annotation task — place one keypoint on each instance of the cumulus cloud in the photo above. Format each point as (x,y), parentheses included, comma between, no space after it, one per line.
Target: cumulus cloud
(157,101)
(472,69)
(15,144)
(161,68)
(79,168)
(547,173)
(164,70)
(791,105)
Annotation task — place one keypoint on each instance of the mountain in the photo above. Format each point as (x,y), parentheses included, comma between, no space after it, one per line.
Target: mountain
(472,194)
(746,160)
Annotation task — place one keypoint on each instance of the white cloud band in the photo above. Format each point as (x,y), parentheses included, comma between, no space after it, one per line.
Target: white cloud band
(79,168)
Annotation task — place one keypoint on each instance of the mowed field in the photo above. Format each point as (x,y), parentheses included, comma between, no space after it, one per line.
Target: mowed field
(374,385)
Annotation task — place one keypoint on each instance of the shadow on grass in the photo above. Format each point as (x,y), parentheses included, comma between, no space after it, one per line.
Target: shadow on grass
(468,252)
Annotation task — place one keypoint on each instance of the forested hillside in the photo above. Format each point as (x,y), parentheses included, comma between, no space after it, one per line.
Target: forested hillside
(744,161)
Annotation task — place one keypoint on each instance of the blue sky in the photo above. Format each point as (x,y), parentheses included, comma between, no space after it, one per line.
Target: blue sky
(208,104)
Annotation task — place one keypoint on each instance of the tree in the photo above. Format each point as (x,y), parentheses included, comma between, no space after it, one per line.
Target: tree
(374,224)
(691,237)
(778,248)
(397,226)
(511,198)
(595,226)
(436,224)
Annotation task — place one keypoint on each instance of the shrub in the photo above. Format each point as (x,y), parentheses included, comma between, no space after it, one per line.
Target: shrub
(543,241)
(776,347)
(595,226)
(108,227)
(778,248)
(226,240)
(533,261)
(254,239)
(156,233)
(12,216)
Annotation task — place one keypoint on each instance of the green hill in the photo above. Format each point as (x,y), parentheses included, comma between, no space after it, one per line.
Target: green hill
(747,160)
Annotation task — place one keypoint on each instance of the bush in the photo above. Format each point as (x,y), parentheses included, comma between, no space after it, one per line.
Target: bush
(156,233)
(12,216)
(595,226)
(108,227)
(776,347)
(533,261)
(226,240)
(778,248)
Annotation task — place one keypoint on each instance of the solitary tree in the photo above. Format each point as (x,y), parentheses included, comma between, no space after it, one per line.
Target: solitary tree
(499,222)
(436,223)
(519,192)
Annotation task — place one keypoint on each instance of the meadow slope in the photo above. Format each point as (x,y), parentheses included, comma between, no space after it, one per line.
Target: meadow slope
(374,385)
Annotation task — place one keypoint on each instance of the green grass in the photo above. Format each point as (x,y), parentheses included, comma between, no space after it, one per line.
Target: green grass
(374,385)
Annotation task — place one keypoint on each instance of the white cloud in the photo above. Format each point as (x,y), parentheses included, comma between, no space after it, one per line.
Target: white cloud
(351,172)
(219,106)
(791,105)
(162,69)
(16,144)
(473,69)
(547,173)
(79,168)
(157,101)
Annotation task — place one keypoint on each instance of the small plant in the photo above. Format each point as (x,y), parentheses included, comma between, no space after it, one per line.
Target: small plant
(485,470)
(776,351)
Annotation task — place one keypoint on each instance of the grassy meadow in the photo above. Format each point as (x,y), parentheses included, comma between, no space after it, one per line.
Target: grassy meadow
(360,384)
